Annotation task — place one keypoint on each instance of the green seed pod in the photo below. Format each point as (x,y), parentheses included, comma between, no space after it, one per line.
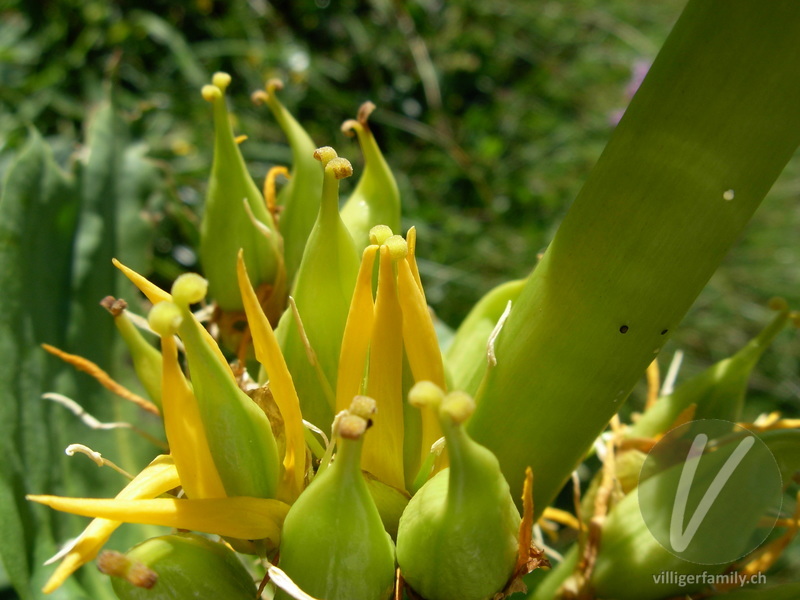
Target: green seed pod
(300,197)
(173,567)
(322,291)
(146,359)
(226,225)
(630,556)
(376,199)
(467,355)
(333,544)
(458,537)
(718,392)
(239,434)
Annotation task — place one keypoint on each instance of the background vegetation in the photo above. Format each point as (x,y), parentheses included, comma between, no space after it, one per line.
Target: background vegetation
(491,114)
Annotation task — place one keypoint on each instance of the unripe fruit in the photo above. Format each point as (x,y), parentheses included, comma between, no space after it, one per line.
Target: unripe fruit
(333,544)
(458,536)
(174,567)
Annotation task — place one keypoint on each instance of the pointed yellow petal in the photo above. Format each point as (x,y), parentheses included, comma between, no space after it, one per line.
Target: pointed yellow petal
(154,293)
(281,385)
(239,517)
(185,431)
(422,347)
(411,238)
(357,333)
(383,448)
(157,478)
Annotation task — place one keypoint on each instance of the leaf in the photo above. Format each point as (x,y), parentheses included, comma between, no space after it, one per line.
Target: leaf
(709,131)
(37,215)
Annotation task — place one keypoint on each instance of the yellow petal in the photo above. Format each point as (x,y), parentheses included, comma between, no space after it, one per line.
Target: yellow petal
(238,517)
(157,478)
(357,333)
(383,447)
(268,353)
(154,293)
(185,431)
(411,238)
(422,347)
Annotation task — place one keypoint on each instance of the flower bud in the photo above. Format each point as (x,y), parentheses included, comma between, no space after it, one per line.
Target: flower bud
(239,434)
(178,566)
(226,225)
(299,198)
(463,511)
(333,544)
(376,198)
(322,291)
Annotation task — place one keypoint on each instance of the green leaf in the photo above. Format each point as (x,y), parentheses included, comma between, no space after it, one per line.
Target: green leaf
(709,131)
(37,216)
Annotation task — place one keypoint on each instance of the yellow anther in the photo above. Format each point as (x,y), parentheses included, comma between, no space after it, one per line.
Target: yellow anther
(221,80)
(165,318)
(325,155)
(211,93)
(352,427)
(363,406)
(240,138)
(339,167)
(189,288)
(259,97)
(425,393)
(273,85)
(364,111)
(459,406)
(379,234)
(398,248)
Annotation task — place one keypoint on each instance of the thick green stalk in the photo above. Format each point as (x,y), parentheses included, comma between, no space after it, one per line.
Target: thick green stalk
(709,131)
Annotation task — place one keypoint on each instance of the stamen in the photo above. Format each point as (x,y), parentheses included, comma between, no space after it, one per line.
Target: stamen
(96,457)
(653,384)
(240,138)
(411,238)
(325,154)
(103,378)
(211,93)
(425,393)
(189,288)
(491,357)
(221,79)
(398,248)
(352,427)
(339,167)
(363,406)
(672,374)
(262,228)
(458,406)
(270,195)
(165,318)
(93,423)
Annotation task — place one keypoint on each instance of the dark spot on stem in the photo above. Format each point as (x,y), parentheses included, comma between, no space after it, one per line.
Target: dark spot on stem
(664,331)
(623,329)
